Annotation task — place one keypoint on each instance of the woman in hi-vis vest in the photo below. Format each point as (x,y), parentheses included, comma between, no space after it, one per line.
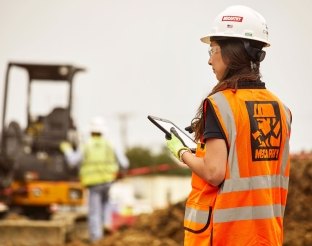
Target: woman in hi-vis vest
(240,182)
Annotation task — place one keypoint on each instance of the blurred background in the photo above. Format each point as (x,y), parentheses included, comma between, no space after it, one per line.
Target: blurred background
(141,58)
(145,57)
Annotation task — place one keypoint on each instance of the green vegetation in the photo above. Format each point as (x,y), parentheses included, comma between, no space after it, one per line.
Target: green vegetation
(143,157)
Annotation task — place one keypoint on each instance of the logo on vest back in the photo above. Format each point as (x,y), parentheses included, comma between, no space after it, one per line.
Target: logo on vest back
(265,129)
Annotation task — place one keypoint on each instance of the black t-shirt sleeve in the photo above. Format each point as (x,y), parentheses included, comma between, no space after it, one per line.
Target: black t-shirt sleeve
(212,127)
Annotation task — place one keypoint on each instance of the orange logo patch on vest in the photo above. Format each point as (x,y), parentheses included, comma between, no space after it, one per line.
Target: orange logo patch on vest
(265,129)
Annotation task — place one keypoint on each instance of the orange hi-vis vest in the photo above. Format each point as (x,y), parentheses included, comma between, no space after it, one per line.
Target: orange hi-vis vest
(198,212)
(250,204)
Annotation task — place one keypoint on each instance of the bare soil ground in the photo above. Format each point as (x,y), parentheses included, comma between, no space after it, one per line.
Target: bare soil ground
(298,215)
(165,227)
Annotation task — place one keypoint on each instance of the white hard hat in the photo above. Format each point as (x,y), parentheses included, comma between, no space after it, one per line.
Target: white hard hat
(98,125)
(239,22)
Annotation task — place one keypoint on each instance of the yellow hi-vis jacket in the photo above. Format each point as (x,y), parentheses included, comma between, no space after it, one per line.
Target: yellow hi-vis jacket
(250,204)
(99,165)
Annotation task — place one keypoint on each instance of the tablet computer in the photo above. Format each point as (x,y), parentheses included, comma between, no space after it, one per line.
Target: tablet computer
(167,126)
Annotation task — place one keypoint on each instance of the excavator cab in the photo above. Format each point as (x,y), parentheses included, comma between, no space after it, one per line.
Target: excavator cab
(36,118)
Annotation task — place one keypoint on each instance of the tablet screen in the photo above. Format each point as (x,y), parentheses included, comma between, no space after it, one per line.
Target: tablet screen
(165,125)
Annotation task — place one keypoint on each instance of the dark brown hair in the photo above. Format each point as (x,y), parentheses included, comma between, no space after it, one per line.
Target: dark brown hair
(240,68)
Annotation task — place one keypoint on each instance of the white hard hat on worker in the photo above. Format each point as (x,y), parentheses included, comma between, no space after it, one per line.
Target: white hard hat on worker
(239,22)
(98,125)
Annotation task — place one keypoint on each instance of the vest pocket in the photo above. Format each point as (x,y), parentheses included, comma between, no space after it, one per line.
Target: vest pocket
(197,220)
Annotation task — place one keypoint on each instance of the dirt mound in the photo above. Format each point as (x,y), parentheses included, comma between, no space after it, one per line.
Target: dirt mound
(165,227)
(162,228)
(298,214)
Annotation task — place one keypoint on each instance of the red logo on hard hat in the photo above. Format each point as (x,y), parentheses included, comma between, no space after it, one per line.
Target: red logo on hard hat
(232,18)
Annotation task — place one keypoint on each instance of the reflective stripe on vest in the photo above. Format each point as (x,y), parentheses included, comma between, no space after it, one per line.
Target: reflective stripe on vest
(236,183)
(197,216)
(227,116)
(254,183)
(286,148)
(248,213)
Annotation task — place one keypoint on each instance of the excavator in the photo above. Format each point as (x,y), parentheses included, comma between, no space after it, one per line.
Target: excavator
(36,118)
(35,180)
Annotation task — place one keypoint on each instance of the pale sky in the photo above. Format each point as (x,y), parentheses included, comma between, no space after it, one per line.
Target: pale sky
(145,57)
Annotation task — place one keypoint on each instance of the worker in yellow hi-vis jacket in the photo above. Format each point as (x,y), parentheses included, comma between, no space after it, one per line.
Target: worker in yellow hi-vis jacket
(99,167)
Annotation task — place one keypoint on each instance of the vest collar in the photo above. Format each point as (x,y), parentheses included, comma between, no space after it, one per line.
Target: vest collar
(251,85)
